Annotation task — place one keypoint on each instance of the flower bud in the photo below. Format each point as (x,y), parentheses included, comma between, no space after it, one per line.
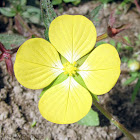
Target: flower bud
(134,65)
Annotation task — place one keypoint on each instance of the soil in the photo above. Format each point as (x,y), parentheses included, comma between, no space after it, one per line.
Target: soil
(19,106)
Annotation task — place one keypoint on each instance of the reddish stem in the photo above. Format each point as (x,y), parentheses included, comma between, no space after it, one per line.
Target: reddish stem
(137,5)
(2,49)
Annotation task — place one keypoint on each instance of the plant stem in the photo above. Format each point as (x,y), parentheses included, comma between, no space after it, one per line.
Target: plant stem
(101,37)
(25,25)
(113,120)
(137,5)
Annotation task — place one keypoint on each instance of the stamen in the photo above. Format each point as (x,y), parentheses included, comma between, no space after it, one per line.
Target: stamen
(69,68)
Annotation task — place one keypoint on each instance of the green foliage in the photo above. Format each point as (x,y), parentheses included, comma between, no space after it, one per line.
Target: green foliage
(129,48)
(18,7)
(66,1)
(7,11)
(105,1)
(91,119)
(33,124)
(18,2)
(124,2)
(138,40)
(134,76)
(100,43)
(129,80)
(124,59)
(94,15)
(32,14)
(136,90)
(127,39)
(57,2)
(11,41)
(112,42)
(48,15)
(119,47)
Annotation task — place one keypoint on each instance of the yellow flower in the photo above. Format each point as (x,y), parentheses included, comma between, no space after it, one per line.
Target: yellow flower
(38,64)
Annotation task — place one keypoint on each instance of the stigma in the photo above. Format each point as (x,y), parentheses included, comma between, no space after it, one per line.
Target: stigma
(69,68)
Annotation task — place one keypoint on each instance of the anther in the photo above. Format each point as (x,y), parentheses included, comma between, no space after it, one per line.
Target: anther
(69,68)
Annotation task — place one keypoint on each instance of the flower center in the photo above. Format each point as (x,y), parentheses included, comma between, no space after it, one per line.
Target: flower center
(69,68)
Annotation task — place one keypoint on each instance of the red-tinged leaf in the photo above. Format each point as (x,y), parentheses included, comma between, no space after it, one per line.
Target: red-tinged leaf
(123,27)
(112,32)
(2,49)
(9,66)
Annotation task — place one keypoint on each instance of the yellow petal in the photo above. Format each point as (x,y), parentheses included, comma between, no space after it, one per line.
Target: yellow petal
(37,64)
(72,35)
(65,103)
(101,69)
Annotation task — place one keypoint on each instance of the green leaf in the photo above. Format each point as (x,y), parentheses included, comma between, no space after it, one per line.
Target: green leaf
(32,14)
(135,74)
(128,48)
(33,124)
(91,119)
(58,80)
(119,47)
(129,80)
(11,41)
(7,11)
(76,2)
(56,2)
(127,39)
(124,59)
(94,14)
(105,1)
(48,13)
(138,36)
(23,2)
(112,42)
(136,90)
(66,1)
(100,43)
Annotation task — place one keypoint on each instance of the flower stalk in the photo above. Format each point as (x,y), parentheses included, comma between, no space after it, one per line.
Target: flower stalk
(113,120)
(25,25)
(101,37)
